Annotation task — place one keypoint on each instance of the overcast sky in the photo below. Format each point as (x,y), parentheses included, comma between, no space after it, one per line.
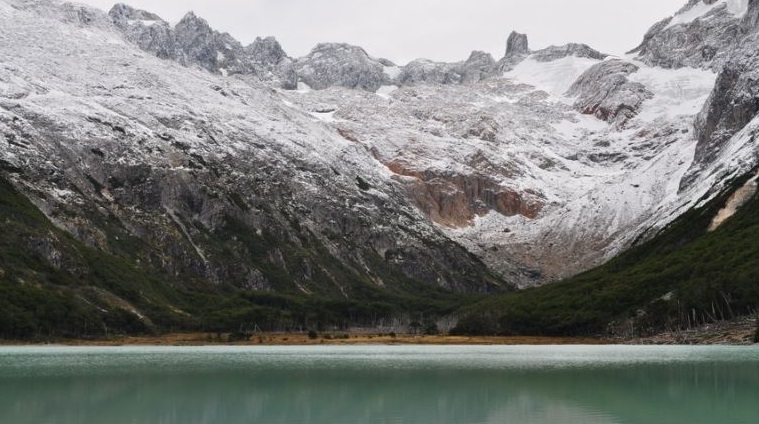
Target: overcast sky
(403,30)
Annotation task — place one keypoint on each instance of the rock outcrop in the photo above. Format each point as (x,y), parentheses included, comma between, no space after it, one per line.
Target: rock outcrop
(733,104)
(517,50)
(734,101)
(147,30)
(703,40)
(271,63)
(426,71)
(456,200)
(192,42)
(605,91)
(552,53)
(343,65)
(517,45)
(198,44)
(477,67)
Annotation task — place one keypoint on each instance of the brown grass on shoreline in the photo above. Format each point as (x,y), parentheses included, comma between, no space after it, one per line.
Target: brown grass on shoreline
(302,339)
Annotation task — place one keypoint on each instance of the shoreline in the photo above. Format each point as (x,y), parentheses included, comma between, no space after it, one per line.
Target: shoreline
(302,339)
(734,333)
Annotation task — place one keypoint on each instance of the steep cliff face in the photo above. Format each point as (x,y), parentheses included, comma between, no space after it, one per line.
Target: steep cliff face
(733,104)
(701,34)
(517,49)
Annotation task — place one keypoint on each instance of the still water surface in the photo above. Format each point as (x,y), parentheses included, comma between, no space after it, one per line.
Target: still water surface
(380,384)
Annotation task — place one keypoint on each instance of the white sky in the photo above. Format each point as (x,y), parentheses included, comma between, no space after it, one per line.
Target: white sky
(403,30)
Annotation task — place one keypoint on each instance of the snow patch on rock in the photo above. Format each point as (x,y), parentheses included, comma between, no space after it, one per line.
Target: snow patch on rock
(702,9)
(554,77)
(677,92)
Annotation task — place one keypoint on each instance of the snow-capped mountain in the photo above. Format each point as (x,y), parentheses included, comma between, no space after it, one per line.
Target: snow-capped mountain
(197,175)
(540,164)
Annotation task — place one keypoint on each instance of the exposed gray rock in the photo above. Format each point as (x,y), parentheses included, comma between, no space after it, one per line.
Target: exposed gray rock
(605,92)
(386,62)
(734,101)
(517,49)
(68,12)
(197,43)
(552,53)
(339,64)
(478,67)
(426,71)
(751,20)
(146,30)
(191,42)
(124,15)
(733,104)
(649,37)
(194,42)
(271,63)
(267,51)
(517,45)
(706,42)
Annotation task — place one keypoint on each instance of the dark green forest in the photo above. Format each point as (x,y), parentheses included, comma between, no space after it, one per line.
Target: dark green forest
(683,277)
(53,286)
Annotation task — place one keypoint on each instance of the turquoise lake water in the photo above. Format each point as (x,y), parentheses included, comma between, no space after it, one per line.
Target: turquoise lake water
(380,384)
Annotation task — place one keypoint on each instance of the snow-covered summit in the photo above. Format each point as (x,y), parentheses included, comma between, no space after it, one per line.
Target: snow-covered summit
(542,163)
(216,178)
(705,9)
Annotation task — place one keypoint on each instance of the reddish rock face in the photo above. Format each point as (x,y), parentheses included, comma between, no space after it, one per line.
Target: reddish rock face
(454,200)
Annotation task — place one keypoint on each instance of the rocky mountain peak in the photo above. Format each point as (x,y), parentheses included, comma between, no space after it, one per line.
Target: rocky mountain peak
(146,30)
(192,29)
(68,12)
(266,50)
(123,13)
(191,17)
(271,63)
(479,66)
(517,45)
(197,43)
(700,35)
(341,64)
